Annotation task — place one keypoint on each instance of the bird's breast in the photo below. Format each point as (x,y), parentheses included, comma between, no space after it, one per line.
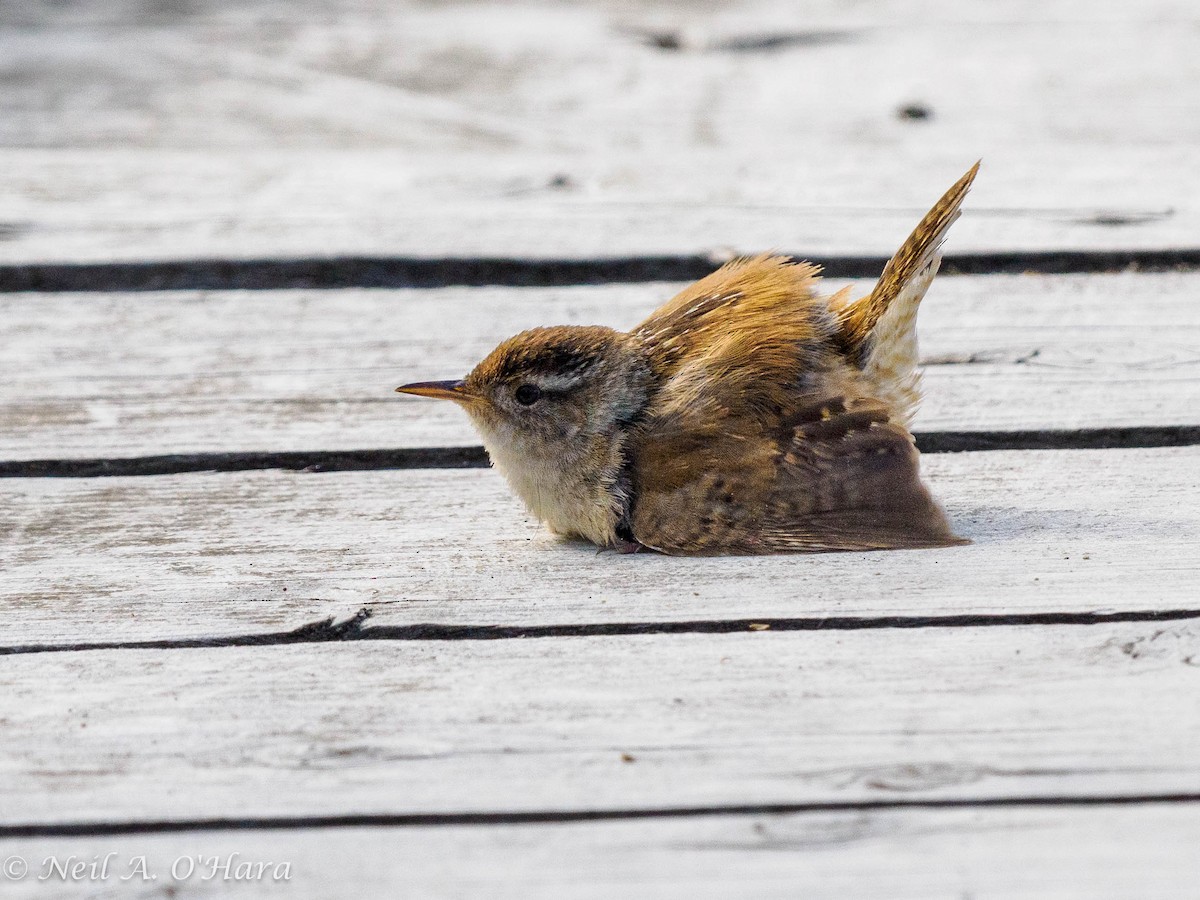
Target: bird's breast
(572,497)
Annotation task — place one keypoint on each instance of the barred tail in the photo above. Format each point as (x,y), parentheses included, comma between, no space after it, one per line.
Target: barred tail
(921,252)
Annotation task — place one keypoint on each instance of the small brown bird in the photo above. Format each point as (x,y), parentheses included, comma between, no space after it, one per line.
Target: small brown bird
(749,414)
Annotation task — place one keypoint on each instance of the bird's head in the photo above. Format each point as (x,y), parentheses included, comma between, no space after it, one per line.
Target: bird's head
(550,393)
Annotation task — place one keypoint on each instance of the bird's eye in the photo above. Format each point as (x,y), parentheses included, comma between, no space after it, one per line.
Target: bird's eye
(528,394)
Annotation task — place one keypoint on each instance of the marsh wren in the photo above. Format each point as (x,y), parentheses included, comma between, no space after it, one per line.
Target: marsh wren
(749,414)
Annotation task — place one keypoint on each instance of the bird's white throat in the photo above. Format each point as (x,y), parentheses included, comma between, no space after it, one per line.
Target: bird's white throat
(572,497)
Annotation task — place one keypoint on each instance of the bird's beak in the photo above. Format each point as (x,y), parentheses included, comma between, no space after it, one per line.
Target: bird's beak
(438,390)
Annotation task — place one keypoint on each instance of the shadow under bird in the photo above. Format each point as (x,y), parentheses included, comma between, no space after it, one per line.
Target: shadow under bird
(749,414)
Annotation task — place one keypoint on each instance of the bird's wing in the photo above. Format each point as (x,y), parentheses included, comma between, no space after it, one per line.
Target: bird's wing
(830,475)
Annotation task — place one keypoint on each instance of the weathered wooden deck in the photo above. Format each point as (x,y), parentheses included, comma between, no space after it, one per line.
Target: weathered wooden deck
(259,609)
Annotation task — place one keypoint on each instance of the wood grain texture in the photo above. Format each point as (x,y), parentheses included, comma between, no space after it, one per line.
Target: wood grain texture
(535,725)
(469,76)
(1000,854)
(121,559)
(127,375)
(134,131)
(590,130)
(101,204)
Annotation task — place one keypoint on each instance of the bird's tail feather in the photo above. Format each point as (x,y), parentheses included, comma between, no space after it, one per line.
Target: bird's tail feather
(915,258)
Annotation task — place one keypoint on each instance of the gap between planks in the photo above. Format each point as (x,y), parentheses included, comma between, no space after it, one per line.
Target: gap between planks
(560,817)
(427,272)
(315,461)
(355,629)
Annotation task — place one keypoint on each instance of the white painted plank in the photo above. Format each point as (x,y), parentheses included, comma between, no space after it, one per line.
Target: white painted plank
(452,128)
(127,375)
(476,76)
(100,204)
(1022,854)
(119,559)
(544,725)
